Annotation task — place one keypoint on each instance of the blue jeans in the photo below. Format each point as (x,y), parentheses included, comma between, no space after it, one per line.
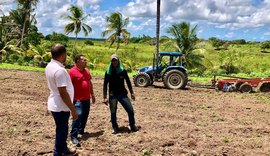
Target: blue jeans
(125,102)
(78,126)
(61,122)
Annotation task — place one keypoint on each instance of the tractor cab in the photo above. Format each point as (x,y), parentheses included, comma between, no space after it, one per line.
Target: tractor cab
(169,69)
(171,59)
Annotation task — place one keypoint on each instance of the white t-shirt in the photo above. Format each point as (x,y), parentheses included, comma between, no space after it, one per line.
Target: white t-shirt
(57,76)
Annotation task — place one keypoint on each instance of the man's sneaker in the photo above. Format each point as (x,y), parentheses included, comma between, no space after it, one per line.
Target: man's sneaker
(75,142)
(114,130)
(70,151)
(134,128)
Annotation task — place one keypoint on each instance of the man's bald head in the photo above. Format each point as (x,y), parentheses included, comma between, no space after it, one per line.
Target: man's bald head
(58,50)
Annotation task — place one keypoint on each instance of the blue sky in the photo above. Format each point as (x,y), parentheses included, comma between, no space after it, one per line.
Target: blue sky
(225,19)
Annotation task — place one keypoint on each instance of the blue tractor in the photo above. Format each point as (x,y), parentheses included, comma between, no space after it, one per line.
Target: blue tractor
(169,69)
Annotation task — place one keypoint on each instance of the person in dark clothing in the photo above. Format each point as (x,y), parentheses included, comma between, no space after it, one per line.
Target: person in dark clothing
(115,76)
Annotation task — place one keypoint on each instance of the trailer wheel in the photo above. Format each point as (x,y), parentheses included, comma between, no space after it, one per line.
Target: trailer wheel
(265,87)
(142,80)
(245,88)
(175,79)
(237,86)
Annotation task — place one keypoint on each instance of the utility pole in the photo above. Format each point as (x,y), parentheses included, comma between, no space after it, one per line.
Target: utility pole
(157,35)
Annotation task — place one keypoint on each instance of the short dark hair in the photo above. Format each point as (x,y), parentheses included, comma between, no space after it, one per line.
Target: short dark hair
(77,57)
(57,50)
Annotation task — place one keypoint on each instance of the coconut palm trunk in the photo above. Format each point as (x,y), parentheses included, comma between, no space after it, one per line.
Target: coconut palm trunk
(118,44)
(26,20)
(27,7)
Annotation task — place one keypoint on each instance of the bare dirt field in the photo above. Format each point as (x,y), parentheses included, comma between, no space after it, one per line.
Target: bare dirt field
(172,122)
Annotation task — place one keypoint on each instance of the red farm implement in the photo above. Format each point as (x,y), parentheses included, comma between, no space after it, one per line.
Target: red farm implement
(244,85)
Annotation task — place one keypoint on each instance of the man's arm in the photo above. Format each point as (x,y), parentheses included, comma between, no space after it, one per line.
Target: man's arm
(66,98)
(129,85)
(105,85)
(92,92)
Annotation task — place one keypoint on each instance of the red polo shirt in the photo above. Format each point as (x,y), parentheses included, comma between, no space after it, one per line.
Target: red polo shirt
(81,83)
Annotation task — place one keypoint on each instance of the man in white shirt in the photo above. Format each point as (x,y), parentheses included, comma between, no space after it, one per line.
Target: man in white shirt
(60,99)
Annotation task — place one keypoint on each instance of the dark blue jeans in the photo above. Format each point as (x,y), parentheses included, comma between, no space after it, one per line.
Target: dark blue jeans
(61,122)
(125,102)
(78,126)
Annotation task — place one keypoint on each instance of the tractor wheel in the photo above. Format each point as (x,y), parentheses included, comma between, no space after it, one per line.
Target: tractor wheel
(245,88)
(142,80)
(175,79)
(265,87)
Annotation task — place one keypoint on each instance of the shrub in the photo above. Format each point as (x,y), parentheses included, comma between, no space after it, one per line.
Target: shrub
(89,42)
(12,58)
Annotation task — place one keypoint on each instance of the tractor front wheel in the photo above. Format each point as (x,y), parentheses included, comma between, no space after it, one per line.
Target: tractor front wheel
(245,88)
(142,80)
(175,79)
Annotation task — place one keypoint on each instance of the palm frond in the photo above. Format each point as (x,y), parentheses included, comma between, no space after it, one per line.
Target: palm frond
(78,27)
(106,32)
(69,28)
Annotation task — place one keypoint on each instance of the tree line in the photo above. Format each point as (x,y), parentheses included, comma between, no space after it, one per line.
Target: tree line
(20,41)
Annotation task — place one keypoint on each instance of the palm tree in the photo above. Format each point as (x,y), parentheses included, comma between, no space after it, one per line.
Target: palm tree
(26,10)
(77,17)
(116,27)
(185,41)
(16,22)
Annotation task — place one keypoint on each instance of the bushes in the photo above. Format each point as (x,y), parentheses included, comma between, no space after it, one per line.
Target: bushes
(12,58)
(89,42)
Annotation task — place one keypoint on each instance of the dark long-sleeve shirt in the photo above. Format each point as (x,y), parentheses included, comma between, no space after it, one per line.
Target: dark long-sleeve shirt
(116,83)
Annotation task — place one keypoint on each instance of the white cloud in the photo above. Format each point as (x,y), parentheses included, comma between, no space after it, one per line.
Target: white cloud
(229,35)
(6,6)
(6,1)
(224,14)
(52,18)
(267,33)
(133,27)
(246,31)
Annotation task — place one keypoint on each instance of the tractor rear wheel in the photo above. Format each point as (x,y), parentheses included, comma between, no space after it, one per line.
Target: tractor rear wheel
(175,79)
(142,80)
(245,88)
(265,87)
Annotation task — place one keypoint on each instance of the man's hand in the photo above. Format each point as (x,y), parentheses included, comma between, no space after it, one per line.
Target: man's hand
(66,98)
(105,101)
(74,115)
(133,96)
(93,99)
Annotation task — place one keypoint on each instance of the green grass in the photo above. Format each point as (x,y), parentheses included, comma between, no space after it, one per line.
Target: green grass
(16,66)
(94,72)
(248,58)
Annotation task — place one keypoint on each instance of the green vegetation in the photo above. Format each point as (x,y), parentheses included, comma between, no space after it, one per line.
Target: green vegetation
(244,60)
(21,44)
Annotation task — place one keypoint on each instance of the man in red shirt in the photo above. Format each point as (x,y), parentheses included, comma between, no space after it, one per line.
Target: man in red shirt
(83,91)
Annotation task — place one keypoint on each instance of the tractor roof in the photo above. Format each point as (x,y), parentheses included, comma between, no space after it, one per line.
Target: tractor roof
(171,53)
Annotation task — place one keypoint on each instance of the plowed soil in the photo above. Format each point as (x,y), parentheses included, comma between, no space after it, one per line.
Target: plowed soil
(172,122)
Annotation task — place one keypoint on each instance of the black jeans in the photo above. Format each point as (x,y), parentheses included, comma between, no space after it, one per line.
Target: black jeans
(125,102)
(78,126)
(61,122)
